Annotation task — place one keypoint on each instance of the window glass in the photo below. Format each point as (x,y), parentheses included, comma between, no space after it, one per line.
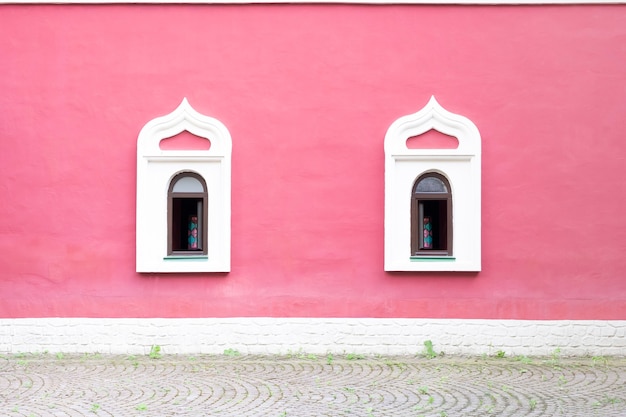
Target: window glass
(431,217)
(187,215)
(188,185)
(431,185)
(187,224)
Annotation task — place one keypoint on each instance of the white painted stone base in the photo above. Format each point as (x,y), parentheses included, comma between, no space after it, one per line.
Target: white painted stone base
(312,335)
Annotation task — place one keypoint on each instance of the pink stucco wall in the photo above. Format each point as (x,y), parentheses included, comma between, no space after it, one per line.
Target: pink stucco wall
(308,92)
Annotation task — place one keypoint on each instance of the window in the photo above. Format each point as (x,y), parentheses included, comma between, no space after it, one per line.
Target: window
(183,194)
(431,216)
(187,215)
(432,193)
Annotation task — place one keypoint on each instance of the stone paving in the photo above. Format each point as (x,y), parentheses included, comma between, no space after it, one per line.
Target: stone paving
(308,385)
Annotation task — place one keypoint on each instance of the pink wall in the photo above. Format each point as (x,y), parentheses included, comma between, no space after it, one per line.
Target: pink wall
(308,93)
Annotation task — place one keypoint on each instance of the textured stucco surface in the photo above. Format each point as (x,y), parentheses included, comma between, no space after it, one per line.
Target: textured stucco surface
(307,93)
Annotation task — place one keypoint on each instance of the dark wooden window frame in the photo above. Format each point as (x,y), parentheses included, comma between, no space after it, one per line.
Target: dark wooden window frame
(417,228)
(171,195)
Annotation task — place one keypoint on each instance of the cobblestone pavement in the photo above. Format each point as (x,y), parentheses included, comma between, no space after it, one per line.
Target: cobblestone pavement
(309,385)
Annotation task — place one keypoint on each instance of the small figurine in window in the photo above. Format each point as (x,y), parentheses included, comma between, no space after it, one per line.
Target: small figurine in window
(192,233)
(428,233)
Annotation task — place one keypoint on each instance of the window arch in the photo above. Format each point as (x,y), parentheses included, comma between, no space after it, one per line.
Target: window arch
(187,215)
(446,180)
(166,174)
(431,216)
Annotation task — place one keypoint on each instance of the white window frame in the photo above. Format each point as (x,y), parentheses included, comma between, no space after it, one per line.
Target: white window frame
(461,167)
(155,170)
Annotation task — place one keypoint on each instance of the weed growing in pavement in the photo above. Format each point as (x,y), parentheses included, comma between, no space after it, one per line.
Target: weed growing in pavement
(423,390)
(555,358)
(390,363)
(524,359)
(429,351)
(86,356)
(283,414)
(606,400)
(600,360)
(329,359)
(133,360)
(354,356)
(532,403)
(95,408)
(59,355)
(231,352)
(141,407)
(155,352)
(300,354)
(500,354)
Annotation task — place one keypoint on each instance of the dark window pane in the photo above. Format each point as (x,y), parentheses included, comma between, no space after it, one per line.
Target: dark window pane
(434,225)
(186,235)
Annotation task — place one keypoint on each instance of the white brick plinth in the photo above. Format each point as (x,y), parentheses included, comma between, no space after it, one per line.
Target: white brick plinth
(312,335)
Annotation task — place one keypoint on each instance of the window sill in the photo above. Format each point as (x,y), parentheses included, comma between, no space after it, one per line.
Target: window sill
(433,259)
(187,258)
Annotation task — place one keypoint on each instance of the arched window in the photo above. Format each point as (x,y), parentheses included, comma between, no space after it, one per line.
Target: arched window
(431,216)
(187,215)
(431,190)
(173,184)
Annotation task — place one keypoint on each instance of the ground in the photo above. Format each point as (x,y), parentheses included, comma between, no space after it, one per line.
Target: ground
(300,384)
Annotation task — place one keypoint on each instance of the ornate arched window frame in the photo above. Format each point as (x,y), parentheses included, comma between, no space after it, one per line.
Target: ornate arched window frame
(156,168)
(461,167)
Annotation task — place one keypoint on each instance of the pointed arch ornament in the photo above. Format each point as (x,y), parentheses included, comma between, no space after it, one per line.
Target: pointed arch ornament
(157,167)
(460,166)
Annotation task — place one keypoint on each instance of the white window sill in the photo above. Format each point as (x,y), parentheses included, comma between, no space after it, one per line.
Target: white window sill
(187,258)
(433,259)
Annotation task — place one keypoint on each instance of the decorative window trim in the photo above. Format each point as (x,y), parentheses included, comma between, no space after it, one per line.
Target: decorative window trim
(462,169)
(156,168)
